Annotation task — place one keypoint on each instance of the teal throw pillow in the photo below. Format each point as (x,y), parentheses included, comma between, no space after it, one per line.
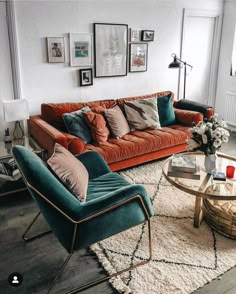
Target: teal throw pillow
(76,124)
(166,111)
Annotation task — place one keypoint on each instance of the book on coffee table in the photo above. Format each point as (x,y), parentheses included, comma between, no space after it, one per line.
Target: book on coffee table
(172,172)
(184,163)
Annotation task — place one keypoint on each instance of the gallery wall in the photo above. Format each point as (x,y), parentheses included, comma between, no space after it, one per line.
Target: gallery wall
(44,82)
(226,82)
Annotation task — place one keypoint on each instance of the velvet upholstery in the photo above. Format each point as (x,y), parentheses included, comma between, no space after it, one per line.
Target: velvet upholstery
(105,190)
(133,148)
(166,111)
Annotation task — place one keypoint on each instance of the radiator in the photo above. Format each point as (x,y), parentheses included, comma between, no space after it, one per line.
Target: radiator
(229,113)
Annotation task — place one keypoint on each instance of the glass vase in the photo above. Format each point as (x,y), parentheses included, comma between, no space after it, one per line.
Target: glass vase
(210,163)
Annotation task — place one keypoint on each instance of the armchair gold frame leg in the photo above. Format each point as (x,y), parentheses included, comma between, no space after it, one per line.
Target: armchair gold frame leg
(25,238)
(99,281)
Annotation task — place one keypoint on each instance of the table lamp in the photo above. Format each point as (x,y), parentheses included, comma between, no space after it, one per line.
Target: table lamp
(16,110)
(178,63)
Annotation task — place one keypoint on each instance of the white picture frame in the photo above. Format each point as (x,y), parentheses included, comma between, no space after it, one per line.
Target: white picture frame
(110,49)
(135,35)
(56,49)
(138,57)
(81,49)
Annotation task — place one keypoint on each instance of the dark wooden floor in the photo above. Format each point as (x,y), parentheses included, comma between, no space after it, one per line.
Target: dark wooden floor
(39,260)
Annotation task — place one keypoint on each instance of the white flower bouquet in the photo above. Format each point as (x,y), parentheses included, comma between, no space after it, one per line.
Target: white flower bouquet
(208,135)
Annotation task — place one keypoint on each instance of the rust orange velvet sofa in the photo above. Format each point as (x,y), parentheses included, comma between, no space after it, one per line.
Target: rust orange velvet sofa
(134,148)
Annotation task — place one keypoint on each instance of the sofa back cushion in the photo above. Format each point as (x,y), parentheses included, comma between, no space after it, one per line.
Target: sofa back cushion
(52,112)
(121,101)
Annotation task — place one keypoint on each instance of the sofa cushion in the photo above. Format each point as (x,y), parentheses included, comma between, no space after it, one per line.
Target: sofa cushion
(76,125)
(166,111)
(70,171)
(52,112)
(117,121)
(141,142)
(97,124)
(142,114)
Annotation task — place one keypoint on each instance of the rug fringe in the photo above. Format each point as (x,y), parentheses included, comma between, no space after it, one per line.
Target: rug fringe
(117,282)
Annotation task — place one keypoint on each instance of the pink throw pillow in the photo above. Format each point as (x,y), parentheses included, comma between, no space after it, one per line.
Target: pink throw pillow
(117,121)
(70,170)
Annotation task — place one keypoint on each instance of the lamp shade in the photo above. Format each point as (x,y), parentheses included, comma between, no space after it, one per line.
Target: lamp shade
(175,63)
(15,110)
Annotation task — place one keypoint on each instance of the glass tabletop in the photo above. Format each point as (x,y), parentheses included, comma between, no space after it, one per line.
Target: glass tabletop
(27,141)
(205,187)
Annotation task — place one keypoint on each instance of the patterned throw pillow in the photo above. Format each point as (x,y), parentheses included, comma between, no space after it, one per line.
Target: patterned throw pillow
(97,124)
(117,121)
(142,114)
(70,171)
(76,124)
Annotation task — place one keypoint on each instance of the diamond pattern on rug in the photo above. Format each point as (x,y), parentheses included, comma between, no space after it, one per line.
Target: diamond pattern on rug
(184,258)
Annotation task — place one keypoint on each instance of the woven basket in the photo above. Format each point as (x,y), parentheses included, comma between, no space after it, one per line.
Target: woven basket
(218,215)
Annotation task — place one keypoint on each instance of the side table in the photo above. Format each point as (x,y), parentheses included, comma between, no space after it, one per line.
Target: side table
(9,187)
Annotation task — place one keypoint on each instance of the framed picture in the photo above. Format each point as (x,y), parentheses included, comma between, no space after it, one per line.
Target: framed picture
(110,49)
(135,35)
(147,35)
(56,49)
(81,50)
(138,57)
(86,77)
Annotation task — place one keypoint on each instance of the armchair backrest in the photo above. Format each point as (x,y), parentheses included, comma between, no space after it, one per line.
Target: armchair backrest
(49,194)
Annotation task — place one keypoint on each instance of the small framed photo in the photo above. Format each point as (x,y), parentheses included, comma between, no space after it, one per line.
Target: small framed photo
(138,57)
(56,50)
(81,50)
(147,35)
(86,77)
(135,35)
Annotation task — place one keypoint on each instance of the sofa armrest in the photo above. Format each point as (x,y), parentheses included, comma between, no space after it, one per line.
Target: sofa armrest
(186,104)
(116,197)
(187,117)
(75,144)
(45,134)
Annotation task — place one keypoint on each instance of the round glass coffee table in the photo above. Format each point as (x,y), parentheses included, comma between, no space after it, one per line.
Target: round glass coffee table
(215,200)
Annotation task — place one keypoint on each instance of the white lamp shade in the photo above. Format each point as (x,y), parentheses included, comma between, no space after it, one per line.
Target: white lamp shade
(14,110)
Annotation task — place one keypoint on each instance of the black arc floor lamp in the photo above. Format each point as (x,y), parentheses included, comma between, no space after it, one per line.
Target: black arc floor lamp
(178,63)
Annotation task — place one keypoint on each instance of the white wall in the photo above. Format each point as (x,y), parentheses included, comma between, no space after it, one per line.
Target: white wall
(225,81)
(44,82)
(6,90)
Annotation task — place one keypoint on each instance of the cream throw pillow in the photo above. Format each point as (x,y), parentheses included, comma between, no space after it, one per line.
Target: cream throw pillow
(70,170)
(142,114)
(117,121)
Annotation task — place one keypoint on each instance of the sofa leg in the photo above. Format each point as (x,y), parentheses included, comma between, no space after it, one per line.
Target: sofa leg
(99,281)
(25,238)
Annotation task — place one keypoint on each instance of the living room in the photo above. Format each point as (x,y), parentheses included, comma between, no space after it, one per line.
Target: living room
(201,34)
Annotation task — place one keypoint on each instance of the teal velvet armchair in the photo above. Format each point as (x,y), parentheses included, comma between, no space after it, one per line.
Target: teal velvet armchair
(112,205)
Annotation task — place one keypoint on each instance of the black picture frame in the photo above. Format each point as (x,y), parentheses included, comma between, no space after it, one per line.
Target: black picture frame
(86,77)
(110,49)
(147,35)
(138,57)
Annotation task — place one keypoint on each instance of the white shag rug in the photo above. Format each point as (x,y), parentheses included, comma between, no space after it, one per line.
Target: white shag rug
(184,258)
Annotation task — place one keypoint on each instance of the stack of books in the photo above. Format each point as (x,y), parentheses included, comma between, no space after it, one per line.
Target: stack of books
(184,166)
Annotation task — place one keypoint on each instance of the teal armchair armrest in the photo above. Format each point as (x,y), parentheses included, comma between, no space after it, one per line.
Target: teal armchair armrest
(113,198)
(94,163)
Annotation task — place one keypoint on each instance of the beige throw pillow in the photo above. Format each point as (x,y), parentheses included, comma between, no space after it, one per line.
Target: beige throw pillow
(70,170)
(117,121)
(142,114)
